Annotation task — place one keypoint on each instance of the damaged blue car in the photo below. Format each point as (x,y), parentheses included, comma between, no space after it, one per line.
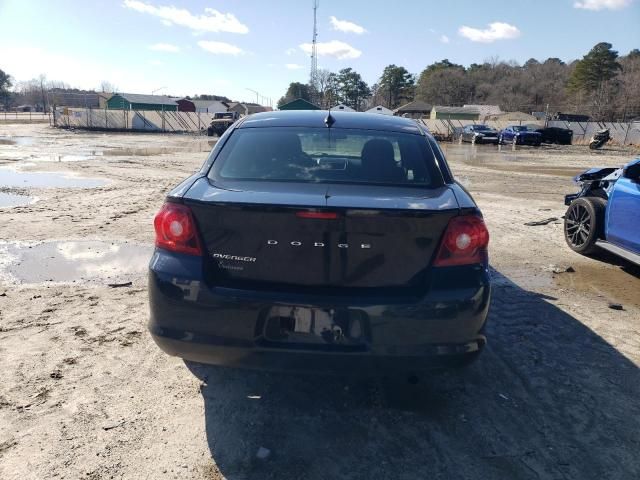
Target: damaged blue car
(605,214)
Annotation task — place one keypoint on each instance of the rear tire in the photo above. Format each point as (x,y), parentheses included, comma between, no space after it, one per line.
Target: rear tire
(583,224)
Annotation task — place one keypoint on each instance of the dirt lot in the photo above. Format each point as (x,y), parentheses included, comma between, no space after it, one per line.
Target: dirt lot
(86,394)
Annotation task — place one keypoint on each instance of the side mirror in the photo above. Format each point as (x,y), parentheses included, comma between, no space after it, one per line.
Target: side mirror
(632,171)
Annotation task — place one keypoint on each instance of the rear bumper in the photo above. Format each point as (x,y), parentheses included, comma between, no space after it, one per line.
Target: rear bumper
(205,350)
(227,327)
(528,140)
(487,140)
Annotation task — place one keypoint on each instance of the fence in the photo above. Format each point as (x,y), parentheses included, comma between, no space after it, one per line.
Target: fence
(131,120)
(25,117)
(621,133)
(165,121)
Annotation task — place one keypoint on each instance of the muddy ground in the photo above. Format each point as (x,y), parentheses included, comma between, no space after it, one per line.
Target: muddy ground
(85,394)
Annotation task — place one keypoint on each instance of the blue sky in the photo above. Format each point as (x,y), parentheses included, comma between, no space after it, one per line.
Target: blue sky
(229,46)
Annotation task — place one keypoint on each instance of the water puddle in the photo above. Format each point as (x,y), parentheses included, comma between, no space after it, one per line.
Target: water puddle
(92,155)
(478,154)
(612,279)
(24,149)
(138,152)
(503,159)
(196,147)
(14,200)
(74,261)
(617,284)
(19,179)
(5,140)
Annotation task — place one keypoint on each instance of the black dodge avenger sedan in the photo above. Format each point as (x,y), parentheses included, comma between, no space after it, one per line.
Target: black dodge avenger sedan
(314,240)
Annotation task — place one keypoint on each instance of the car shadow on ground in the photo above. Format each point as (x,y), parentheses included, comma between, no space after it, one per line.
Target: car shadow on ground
(549,398)
(625,265)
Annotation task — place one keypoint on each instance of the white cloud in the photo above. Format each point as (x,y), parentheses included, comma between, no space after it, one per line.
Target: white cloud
(602,4)
(290,51)
(78,73)
(444,39)
(211,21)
(334,48)
(88,73)
(164,47)
(156,63)
(496,31)
(346,26)
(220,48)
(294,66)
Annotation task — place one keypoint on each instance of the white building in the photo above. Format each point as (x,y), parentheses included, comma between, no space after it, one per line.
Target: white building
(380,109)
(209,106)
(342,107)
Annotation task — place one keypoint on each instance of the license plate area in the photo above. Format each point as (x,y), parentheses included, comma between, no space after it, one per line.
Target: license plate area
(325,329)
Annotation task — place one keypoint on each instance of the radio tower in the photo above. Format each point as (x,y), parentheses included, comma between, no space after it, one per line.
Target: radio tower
(314,49)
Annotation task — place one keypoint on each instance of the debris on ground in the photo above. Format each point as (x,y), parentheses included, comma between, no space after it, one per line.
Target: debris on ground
(556,269)
(616,306)
(118,285)
(112,426)
(537,223)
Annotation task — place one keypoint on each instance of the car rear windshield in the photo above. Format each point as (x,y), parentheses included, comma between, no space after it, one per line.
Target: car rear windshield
(327,155)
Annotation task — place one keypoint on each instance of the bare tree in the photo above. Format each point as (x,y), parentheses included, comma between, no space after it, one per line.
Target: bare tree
(107,87)
(322,85)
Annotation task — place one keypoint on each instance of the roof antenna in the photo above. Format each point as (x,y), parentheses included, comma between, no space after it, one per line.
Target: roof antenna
(329,120)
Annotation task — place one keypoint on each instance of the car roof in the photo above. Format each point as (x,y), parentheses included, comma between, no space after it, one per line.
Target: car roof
(342,120)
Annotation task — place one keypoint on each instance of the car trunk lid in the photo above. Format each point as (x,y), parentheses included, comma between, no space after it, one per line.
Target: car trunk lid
(268,235)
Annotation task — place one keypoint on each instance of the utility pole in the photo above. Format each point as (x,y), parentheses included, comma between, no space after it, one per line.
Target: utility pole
(44,100)
(546,116)
(257,95)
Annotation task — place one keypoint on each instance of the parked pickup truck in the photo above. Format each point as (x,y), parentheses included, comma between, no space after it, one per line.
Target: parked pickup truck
(221,121)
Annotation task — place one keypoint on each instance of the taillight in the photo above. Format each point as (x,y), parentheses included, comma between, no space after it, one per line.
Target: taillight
(319,215)
(176,230)
(464,242)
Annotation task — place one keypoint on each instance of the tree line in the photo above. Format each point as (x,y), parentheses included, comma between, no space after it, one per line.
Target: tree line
(602,84)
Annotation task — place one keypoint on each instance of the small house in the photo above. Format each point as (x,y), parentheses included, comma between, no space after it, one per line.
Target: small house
(137,101)
(380,109)
(485,110)
(246,108)
(415,109)
(201,106)
(342,107)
